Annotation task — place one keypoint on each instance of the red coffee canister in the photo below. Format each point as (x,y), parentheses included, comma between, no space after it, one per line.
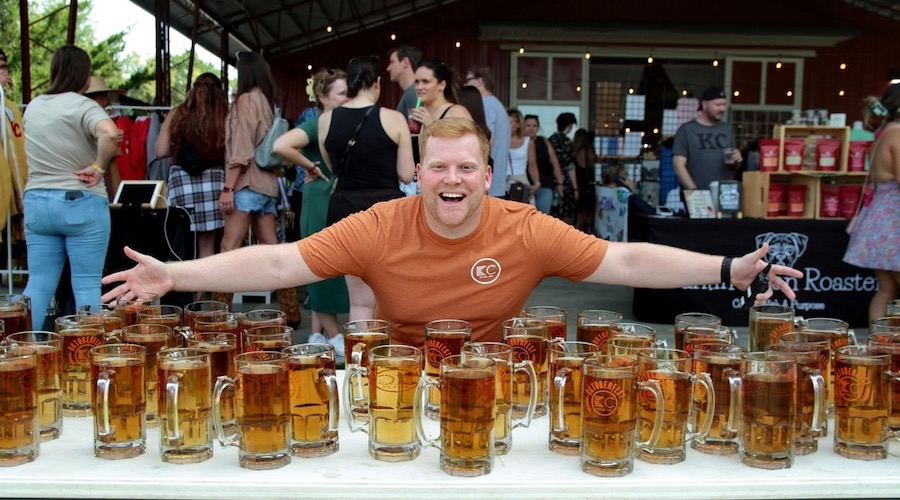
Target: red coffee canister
(850,194)
(831,200)
(796,200)
(776,199)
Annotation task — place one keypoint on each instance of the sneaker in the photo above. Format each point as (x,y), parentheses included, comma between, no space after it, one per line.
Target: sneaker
(338,342)
(317,338)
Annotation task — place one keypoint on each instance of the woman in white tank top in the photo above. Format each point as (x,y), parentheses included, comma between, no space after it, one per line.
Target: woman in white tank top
(522,162)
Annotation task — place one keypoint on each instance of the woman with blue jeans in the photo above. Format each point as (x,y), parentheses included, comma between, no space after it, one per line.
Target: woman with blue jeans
(69,141)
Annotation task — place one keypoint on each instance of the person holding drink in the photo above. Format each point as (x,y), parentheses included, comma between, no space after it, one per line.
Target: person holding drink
(442,253)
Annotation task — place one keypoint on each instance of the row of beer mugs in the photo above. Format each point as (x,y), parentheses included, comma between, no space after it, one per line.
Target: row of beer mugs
(64,373)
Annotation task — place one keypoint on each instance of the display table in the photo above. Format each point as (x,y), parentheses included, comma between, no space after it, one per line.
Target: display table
(67,468)
(829,288)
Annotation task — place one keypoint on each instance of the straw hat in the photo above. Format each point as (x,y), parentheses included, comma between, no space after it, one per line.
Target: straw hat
(98,85)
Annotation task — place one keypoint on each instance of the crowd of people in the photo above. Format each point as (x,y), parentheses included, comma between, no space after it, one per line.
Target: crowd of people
(359,233)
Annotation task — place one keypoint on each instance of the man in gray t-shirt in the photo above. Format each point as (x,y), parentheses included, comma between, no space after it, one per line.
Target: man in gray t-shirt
(497,119)
(704,149)
(401,68)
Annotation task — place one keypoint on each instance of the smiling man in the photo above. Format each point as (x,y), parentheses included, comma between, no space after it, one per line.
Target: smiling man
(451,252)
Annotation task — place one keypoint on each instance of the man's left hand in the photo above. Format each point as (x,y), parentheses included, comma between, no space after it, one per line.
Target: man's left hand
(745,269)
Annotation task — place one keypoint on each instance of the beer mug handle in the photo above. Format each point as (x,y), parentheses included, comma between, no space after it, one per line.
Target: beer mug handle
(334,416)
(705,380)
(659,402)
(112,336)
(172,434)
(851,337)
(102,404)
(659,344)
(354,371)
(182,335)
(819,404)
(419,405)
(734,388)
(528,367)
(222,383)
(559,379)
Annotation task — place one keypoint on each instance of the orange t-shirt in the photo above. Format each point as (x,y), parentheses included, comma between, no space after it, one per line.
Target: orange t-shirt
(417,276)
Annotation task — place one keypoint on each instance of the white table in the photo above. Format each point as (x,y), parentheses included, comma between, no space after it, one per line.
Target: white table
(67,468)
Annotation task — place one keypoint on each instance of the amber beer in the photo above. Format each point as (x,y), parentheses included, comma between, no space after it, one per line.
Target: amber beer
(890,342)
(19,434)
(502,355)
(443,337)
(257,318)
(128,308)
(632,336)
(722,363)
(467,418)
(15,311)
(768,409)
(262,408)
(767,323)
(76,357)
(609,407)
(185,416)
(565,394)
(268,338)
(393,374)
(684,320)
(100,316)
(203,309)
(357,343)
(535,349)
(314,400)
(47,347)
(118,381)
(862,402)
(154,338)
(593,326)
(555,317)
(703,334)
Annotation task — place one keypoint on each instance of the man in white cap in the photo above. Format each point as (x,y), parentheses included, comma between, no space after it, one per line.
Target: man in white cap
(704,149)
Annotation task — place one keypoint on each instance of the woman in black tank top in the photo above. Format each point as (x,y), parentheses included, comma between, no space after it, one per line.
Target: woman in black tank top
(371,170)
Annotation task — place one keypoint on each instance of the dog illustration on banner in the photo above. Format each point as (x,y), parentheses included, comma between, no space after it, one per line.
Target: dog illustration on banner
(784,248)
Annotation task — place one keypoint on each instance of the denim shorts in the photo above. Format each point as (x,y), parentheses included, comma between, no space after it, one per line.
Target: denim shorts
(255,204)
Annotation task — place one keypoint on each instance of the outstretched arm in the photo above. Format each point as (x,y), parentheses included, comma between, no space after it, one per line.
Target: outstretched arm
(257,267)
(647,265)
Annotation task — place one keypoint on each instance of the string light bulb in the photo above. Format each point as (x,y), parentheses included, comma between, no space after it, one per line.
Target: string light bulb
(393,36)
(458,45)
(631,91)
(309,67)
(524,85)
(843,66)
(578,88)
(521,50)
(649,59)
(684,92)
(587,54)
(790,93)
(737,93)
(715,63)
(841,93)
(329,28)
(778,64)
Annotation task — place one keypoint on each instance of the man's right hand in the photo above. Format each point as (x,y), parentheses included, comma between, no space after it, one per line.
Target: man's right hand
(149,275)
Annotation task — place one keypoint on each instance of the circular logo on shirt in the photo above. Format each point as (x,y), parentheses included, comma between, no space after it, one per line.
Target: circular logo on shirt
(485,271)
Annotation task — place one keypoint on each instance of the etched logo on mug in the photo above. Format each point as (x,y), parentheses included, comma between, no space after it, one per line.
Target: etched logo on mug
(604,397)
(850,386)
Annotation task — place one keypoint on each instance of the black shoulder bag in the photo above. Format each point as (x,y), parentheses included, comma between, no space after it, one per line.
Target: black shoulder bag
(345,160)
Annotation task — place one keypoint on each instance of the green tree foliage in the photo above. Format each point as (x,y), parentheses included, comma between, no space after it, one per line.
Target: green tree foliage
(48,29)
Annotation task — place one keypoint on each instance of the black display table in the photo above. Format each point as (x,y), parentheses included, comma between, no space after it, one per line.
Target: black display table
(829,288)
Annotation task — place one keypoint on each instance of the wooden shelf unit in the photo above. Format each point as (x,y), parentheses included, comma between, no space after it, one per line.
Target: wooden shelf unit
(810,133)
(756,190)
